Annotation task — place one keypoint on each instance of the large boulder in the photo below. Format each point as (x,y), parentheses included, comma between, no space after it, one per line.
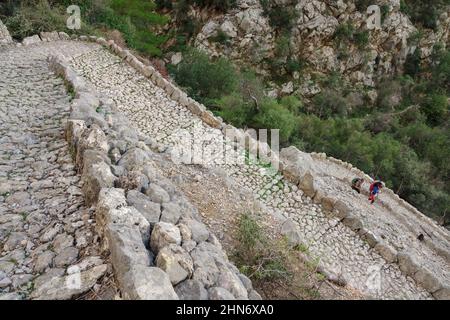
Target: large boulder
(218,293)
(157,194)
(230,281)
(96,175)
(443,293)
(5,37)
(191,290)
(171,213)
(176,262)
(147,283)
(199,232)
(31,40)
(67,287)
(112,210)
(93,138)
(150,210)
(133,180)
(299,168)
(134,159)
(163,235)
(407,263)
(427,280)
(291,231)
(206,260)
(126,248)
(74,131)
(49,36)
(387,252)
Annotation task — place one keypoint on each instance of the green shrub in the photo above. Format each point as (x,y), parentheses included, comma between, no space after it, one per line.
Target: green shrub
(233,109)
(424,13)
(272,115)
(440,70)
(361,38)
(294,65)
(31,17)
(282,46)
(164,4)
(256,255)
(344,32)
(329,103)
(133,18)
(204,78)
(436,108)
(221,5)
(389,94)
(292,103)
(251,86)
(136,19)
(280,16)
(221,38)
(412,63)
(384,10)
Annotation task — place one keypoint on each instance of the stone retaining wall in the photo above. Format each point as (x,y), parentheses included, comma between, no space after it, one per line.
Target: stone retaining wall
(159,248)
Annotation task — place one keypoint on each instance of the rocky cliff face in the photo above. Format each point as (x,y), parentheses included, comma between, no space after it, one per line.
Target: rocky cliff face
(324,36)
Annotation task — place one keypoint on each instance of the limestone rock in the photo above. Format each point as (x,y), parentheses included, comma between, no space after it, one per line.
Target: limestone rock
(150,210)
(387,252)
(191,290)
(164,234)
(171,213)
(134,159)
(231,282)
(43,261)
(157,194)
(176,262)
(407,263)
(66,257)
(5,37)
(218,293)
(290,230)
(96,175)
(64,288)
(147,283)
(199,232)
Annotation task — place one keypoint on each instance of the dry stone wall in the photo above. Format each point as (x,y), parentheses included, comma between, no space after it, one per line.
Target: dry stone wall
(159,248)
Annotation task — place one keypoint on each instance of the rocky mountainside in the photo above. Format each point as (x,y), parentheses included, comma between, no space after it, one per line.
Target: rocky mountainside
(318,37)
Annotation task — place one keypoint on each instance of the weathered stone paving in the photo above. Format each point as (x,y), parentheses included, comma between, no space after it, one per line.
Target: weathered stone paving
(45,229)
(339,249)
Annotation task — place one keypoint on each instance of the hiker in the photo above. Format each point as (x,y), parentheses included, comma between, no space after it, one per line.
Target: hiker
(356,184)
(375,188)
